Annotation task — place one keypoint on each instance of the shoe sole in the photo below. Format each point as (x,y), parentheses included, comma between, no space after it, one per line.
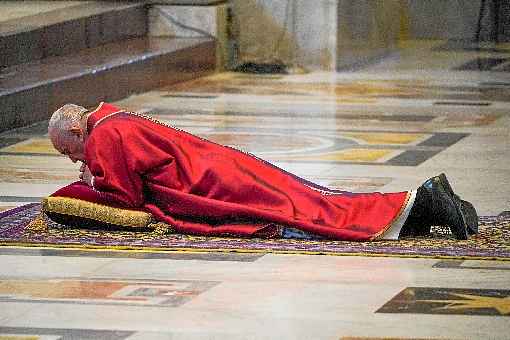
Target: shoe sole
(460,235)
(468,210)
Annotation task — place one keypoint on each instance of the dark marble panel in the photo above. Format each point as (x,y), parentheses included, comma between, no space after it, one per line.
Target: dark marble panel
(481,64)
(33,130)
(117,25)
(449,301)
(496,84)
(122,79)
(443,139)
(198,52)
(63,333)
(412,157)
(21,48)
(189,63)
(94,28)
(463,103)
(110,26)
(7,111)
(205,256)
(158,71)
(27,154)
(6,141)
(450,264)
(457,264)
(64,38)
(108,72)
(132,22)
(23,108)
(68,30)
(44,19)
(86,90)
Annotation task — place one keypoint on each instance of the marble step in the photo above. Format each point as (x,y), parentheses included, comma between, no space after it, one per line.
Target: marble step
(30,92)
(66,30)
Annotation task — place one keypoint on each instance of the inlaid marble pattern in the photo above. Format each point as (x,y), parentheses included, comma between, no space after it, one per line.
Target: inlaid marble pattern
(343,91)
(467,265)
(431,300)
(284,145)
(171,293)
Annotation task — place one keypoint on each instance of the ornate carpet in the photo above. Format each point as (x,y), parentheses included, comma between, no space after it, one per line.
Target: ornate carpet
(23,226)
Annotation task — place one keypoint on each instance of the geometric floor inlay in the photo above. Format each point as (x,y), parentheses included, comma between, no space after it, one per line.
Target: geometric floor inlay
(465,265)
(154,293)
(32,333)
(282,145)
(433,300)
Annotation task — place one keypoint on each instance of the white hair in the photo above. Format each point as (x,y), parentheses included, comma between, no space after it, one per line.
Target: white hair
(65,117)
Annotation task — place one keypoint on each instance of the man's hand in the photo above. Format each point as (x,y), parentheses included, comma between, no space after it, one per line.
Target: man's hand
(85,175)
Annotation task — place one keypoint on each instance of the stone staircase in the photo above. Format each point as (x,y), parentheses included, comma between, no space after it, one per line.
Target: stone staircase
(87,53)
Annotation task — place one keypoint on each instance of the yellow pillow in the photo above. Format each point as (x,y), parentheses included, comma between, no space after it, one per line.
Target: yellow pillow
(79,213)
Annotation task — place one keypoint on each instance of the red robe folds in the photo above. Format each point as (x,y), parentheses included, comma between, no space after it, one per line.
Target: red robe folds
(203,188)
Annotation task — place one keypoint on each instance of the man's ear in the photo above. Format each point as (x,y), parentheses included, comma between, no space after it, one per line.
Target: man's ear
(76,130)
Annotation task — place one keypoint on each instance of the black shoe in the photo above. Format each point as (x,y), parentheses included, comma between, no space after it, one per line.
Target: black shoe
(468,210)
(446,210)
(470,215)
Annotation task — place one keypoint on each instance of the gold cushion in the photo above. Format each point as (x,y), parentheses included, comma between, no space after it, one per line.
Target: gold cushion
(78,212)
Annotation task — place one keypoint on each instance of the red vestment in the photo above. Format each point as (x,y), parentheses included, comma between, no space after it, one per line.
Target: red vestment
(202,188)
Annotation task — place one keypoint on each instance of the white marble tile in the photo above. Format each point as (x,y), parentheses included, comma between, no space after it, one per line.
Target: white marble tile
(12,311)
(30,190)
(18,266)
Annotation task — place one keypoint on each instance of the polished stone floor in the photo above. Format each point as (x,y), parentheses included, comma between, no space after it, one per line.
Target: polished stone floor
(436,107)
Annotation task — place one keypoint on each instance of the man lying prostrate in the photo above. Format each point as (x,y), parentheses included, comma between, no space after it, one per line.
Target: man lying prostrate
(202,188)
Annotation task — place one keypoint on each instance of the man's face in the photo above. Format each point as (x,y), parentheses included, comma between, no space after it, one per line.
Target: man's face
(70,145)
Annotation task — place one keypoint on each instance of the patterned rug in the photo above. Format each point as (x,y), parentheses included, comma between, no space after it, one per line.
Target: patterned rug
(17,228)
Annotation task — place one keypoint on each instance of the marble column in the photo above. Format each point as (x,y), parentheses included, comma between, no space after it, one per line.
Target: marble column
(298,32)
(191,21)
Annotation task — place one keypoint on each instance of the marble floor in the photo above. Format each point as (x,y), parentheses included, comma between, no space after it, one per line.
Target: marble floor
(436,107)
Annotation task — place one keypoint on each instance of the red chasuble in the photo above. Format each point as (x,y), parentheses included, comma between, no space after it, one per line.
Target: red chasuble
(202,188)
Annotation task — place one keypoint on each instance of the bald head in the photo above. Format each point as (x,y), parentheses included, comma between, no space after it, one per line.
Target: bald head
(67,130)
(67,116)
